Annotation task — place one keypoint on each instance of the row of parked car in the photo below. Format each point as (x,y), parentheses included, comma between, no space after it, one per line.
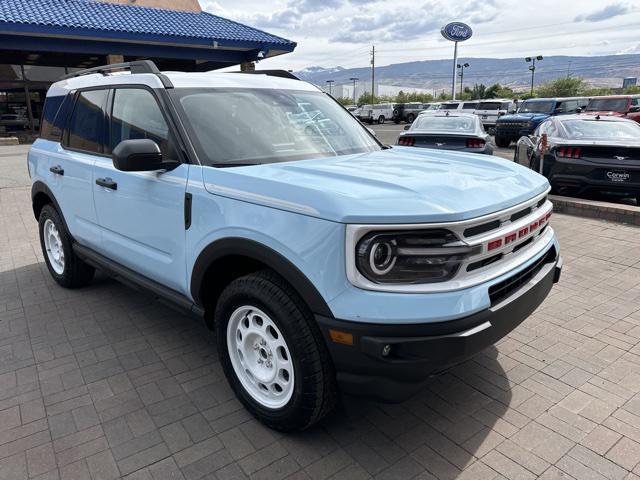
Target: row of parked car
(580,147)
(507,119)
(488,110)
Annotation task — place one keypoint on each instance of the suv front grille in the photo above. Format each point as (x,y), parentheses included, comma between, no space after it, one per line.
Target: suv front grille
(504,289)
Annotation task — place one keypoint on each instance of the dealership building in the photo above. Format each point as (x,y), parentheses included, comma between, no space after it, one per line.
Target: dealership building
(42,40)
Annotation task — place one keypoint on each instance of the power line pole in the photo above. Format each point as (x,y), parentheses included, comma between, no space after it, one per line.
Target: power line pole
(373,73)
(354,80)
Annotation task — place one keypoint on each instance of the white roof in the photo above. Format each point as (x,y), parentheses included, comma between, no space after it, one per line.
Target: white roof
(181,80)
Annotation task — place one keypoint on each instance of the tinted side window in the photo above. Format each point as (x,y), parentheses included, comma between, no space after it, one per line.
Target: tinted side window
(51,107)
(136,115)
(87,121)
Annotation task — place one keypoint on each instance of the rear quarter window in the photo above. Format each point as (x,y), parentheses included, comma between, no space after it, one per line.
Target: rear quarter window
(54,117)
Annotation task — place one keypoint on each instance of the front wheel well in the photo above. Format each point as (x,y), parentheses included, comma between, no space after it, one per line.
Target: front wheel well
(221,273)
(39,201)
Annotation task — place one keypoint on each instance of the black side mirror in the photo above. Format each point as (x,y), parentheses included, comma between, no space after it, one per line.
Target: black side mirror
(142,155)
(407,127)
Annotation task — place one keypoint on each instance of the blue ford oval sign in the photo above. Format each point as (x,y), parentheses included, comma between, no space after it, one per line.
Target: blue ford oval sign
(456,31)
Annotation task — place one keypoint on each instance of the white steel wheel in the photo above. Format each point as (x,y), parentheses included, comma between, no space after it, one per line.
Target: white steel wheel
(260,357)
(53,246)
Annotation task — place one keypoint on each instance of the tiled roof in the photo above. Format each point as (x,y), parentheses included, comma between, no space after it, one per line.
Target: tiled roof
(79,15)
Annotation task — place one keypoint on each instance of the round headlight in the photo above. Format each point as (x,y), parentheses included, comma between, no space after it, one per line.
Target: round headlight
(382,257)
(416,256)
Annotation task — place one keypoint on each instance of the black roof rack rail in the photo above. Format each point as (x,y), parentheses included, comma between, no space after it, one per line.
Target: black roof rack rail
(273,73)
(138,66)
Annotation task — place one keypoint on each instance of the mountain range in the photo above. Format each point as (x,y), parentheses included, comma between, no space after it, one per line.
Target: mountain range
(599,71)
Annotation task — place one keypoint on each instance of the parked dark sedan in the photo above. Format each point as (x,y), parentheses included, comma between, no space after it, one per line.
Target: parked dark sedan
(461,132)
(585,154)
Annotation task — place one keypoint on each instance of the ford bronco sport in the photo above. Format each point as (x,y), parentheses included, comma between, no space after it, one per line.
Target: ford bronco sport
(322,258)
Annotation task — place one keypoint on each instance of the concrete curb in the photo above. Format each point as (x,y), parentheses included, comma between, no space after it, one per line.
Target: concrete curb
(595,209)
(6,141)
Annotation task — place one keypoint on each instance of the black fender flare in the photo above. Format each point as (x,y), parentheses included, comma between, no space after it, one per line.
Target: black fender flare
(41,187)
(256,251)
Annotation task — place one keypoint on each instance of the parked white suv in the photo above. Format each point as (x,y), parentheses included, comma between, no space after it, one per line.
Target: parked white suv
(490,110)
(468,106)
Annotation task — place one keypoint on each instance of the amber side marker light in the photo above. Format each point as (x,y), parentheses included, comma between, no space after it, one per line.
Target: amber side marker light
(341,337)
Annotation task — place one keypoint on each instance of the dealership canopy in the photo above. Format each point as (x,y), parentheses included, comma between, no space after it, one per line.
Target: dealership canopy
(42,40)
(85,26)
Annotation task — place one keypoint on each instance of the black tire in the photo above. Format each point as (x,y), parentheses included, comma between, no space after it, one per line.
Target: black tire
(314,391)
(380,119)
(502,142)
(76,273)
(410,118)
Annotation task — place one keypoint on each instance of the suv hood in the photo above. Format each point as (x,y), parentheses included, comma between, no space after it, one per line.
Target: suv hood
(524,117)
(397,185)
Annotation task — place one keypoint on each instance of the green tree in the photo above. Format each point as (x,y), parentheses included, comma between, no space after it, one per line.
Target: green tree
(478,91)
(594,92)
(345,100)
(498,91)
(562,87)
(633,90)
(402,97)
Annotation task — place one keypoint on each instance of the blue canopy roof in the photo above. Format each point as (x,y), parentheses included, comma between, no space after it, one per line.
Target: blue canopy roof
(100,20)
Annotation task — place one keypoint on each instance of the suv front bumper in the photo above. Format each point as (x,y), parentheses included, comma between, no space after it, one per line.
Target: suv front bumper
(391,362)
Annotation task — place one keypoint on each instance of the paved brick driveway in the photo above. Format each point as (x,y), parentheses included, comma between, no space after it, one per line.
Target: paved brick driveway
(104,382)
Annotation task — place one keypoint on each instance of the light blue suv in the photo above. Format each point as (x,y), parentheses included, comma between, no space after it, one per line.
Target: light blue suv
(322,258)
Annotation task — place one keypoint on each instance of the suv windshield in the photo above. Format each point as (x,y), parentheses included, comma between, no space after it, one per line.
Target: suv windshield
(537,107)
(489,106)
(253,126)
(607,105)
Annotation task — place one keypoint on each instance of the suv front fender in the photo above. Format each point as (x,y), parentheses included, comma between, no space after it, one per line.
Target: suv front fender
(237,246)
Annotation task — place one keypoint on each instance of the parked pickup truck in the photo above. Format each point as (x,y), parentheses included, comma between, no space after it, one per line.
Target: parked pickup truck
(625,106)
(530,114)
(322,258)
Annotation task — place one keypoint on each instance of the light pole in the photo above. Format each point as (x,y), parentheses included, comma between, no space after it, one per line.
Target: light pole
(354,80)
(462,67)
(330,82)
(532,67)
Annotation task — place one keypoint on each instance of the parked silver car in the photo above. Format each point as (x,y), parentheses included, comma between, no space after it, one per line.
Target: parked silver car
(445,130)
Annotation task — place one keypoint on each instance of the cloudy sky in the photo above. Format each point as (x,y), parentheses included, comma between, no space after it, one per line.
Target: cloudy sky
(341,32)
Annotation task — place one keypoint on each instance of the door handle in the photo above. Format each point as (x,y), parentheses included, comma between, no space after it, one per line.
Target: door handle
(107,183)
(57,170)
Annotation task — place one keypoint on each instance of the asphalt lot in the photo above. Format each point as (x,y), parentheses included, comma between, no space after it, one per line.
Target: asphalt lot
(105,382)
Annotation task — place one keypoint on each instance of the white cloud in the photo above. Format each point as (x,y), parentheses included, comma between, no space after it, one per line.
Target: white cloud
(340,32)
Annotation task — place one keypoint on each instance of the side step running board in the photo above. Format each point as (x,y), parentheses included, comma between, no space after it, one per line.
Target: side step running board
(133,279)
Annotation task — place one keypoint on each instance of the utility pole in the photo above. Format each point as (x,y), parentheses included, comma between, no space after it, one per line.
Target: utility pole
(532,60)
(354,80)
(462,67)
(330,82)
(455,62)
(373,74)
(569,69)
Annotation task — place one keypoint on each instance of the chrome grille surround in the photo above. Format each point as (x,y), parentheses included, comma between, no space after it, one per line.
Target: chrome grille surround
(541,239)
